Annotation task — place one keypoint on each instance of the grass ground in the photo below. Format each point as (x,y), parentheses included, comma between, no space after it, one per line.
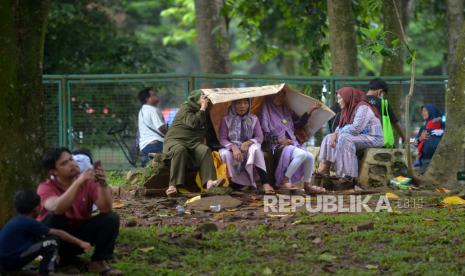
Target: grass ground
(414,241)
(423,241)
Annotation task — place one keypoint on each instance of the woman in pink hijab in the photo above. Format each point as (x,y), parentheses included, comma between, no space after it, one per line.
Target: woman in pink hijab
(359,128)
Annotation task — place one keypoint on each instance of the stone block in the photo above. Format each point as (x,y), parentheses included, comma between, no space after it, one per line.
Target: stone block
(379,165)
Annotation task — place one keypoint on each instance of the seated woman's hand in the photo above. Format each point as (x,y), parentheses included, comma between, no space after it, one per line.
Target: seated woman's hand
(245,146)
(424,136)
(333,141)
(285,141)
(237,154)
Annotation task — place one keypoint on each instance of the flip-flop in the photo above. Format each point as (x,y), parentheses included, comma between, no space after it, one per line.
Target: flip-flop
(269,191)
(288,188)
(314,190)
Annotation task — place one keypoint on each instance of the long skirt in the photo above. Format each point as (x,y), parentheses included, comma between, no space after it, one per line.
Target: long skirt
(242,173)
(344,154)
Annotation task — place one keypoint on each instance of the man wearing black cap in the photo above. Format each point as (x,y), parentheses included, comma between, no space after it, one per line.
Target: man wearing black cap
(377,90)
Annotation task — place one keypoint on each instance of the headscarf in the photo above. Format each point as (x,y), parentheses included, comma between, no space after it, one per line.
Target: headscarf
(433,111)
(353,98)
(240,127)
(194,98)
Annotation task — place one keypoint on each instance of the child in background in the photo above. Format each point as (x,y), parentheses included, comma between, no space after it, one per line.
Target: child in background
(432,126)
(23,238)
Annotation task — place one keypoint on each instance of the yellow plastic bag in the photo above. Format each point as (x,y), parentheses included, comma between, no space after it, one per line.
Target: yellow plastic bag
(221,171)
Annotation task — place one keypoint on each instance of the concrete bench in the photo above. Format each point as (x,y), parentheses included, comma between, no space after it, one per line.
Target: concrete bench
(377,166)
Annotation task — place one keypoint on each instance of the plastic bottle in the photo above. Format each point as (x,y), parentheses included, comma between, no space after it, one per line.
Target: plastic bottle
(180,209)
(215,208)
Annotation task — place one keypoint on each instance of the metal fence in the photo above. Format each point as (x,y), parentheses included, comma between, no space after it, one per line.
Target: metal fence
(80,109)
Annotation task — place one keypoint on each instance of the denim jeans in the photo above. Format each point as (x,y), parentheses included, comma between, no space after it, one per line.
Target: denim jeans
(150,148)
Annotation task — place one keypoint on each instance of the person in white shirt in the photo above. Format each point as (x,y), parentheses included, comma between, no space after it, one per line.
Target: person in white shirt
(152,125)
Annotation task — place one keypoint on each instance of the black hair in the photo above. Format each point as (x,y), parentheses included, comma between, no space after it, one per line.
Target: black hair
(51,157)
(378,83)
(85,152)
(144,94)
(26,201)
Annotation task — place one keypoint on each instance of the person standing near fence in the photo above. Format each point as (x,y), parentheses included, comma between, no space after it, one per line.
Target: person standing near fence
(151,124)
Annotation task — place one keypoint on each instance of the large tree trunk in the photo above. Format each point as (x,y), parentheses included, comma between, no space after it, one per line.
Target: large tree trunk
(449,156)
(454,25)
(22,33)
(342,40)
(212,37)
(393,65)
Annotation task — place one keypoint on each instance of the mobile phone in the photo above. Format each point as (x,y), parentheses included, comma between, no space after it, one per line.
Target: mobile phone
(97,164)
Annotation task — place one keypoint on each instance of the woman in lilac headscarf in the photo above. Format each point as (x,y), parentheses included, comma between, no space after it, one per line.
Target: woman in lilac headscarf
(278,125)
(241,136)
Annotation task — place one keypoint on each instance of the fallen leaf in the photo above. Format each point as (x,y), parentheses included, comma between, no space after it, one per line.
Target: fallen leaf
(317,241)
(267,271)
(453,200)
(371,267)
(147,249)
(117,204)
(326,257)
(442,190)
(195,198)
(430,221)
(277,215)
(391,196)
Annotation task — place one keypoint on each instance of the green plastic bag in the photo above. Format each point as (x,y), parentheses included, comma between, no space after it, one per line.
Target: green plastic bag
(387,127)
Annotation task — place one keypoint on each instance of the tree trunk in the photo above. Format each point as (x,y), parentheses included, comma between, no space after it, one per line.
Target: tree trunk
(22,33)
(212,37)
(449,156)
(393,65)
(454,25)
(342,40)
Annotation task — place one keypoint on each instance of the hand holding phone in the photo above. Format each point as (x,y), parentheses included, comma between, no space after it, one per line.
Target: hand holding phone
(99,173)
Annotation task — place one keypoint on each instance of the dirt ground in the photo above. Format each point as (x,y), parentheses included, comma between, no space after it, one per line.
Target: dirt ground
(161,211)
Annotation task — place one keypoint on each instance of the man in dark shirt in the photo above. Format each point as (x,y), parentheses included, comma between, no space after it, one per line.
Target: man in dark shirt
(377,90)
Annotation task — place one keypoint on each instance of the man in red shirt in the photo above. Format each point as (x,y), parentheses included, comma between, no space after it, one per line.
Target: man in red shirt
(66,203)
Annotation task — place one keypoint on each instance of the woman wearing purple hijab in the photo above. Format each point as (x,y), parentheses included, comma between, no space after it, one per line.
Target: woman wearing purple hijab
(278,125)
(241,136)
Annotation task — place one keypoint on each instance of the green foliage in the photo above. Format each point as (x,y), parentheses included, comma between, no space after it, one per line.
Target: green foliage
(428,34)
(180,19)
(100,37)
(284,29)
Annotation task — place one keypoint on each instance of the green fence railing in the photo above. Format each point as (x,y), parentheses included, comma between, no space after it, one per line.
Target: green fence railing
(80,109)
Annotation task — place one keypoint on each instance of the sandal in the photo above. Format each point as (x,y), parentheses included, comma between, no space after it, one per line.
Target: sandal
(268,189)
(314,190)
(106,270)
(288,188)
(171,191)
